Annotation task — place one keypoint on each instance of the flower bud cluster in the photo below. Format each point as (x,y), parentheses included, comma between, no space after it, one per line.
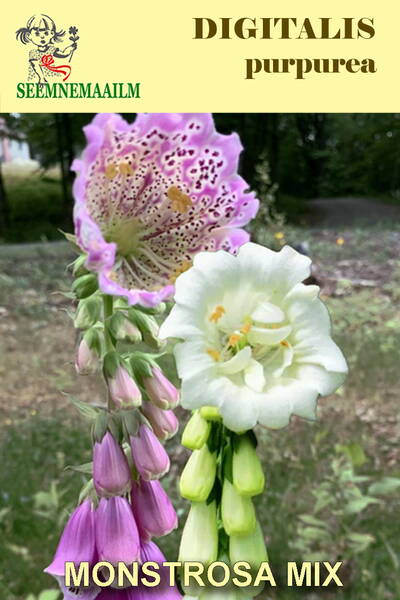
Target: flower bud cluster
(220,478)
(124,506)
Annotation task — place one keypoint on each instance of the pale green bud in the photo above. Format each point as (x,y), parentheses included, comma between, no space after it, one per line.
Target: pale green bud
(85,285)
(123,329)
(87,313)
(211,413)
(249,548)
(196,432)
(237,512)
(78,267)
(147,325)
(198,476)
(247,473)
(199,541)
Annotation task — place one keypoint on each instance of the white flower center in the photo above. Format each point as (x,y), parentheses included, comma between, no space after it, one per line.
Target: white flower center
(255,348)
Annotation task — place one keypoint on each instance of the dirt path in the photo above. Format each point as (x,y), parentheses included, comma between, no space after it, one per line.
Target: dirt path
(350,212)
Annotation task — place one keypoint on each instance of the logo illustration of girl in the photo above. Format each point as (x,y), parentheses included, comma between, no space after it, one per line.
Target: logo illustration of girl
(41,31)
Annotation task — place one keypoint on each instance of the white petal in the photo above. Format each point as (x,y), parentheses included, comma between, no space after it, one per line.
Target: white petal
(270,337)
(237,363)
(315,376)
(254,376)
(216,267)
(280,270)
(192,358)
(306,311)
(200,390)
(267,313)
(287,397)
(239,408)
(181,323)
(286,359)
(320,350)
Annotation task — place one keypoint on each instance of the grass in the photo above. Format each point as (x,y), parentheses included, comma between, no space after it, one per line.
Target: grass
(357,433)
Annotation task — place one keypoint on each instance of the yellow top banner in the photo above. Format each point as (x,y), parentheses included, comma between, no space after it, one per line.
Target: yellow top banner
(221,57)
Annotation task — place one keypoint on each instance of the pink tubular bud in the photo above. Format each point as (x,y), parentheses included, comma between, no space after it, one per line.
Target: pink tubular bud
(111,473)
(153,510)
(86,360)
(164,422)
(149,456)
(117,537)
(160,390)
(123,389)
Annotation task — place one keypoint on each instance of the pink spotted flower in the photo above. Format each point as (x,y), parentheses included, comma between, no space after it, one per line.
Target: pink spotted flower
(151,195)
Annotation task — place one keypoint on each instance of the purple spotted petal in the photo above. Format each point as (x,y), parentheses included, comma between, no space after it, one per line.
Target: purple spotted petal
(150,195)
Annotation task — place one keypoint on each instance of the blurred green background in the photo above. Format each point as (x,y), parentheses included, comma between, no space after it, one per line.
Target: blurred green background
(330,185)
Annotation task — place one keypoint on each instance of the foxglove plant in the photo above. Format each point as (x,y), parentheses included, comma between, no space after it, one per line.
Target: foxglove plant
(255,348)
(148,197)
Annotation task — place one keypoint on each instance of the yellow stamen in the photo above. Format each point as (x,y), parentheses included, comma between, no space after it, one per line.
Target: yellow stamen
(111,171)
(125,169)
(285,343)
(217,314)
(246,327)
(279,235)
(180,202)
(234,339)
(112,275)
(214,354)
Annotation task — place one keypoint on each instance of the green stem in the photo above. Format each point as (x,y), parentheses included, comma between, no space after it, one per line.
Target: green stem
(109,345)
(107,312)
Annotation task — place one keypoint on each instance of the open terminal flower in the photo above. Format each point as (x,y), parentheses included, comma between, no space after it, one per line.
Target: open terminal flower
(150,195)
(257,340)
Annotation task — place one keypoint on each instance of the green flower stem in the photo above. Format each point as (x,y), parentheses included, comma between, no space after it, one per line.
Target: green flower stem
(109,345)
(107,312)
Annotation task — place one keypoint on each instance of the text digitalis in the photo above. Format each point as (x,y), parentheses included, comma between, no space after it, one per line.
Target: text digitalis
(292,28)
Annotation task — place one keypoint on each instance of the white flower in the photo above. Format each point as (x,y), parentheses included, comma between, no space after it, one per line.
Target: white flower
(257,341)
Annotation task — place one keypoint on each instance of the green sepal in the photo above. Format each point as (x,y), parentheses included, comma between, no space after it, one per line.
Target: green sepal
(88,411)
(141,365)
(216,493)
(71,238)
(86,468)
(130,422)
(100,426)
(111,362)
(227,462)
(78,266)
(88,491)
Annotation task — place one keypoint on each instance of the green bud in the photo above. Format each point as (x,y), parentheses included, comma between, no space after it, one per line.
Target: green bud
(85,285)
(198,476)
(78,266)
(147,325)
(247,473)
(154,310)
(237,512)
(199,541)
(250,548)
(123,329)
(87,313)
(196,432)
(211,413)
